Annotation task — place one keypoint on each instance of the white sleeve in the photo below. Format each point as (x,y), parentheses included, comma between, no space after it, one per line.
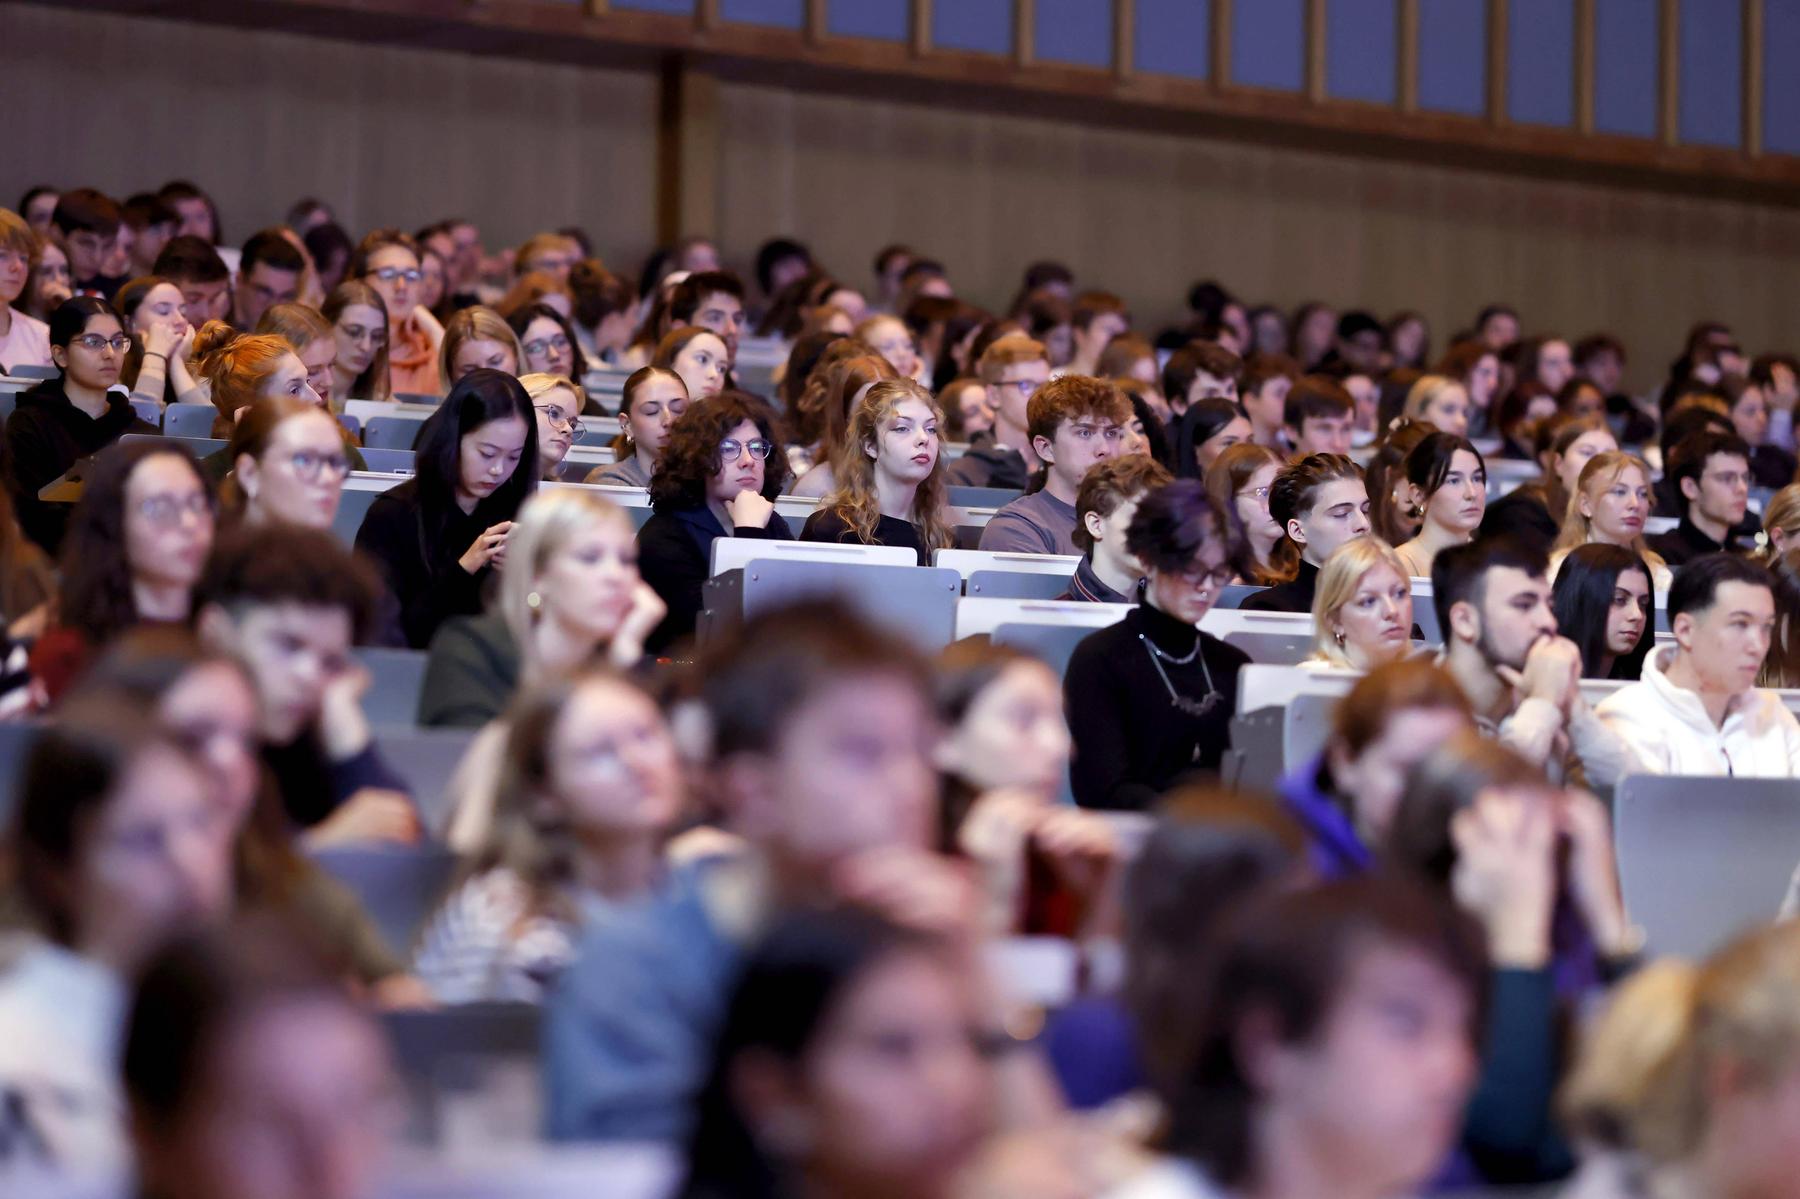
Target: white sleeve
(1647,754)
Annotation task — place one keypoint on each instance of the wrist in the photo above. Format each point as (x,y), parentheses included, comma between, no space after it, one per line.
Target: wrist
(156,354)
(1519,944)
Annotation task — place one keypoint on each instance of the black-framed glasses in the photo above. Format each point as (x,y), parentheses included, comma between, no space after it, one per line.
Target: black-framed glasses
(309,464)
(96,343)
(169,509)
(1199,576)
(729,449)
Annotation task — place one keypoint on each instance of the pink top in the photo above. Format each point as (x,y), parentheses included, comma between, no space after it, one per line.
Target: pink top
(27,343)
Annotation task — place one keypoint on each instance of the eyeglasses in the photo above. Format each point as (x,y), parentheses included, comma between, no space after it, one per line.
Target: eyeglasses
(729,449)
(1201,577)
(309,465)
(558,418)
(1023,386)
(96,343)
(545,345)
(388,274)
(1258,493)
(169,509)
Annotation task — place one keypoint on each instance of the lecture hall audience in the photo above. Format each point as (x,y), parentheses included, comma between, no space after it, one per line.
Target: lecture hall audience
(800,907)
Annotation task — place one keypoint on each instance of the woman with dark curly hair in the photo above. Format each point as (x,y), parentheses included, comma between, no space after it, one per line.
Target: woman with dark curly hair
(1150,698)
(137,543)
(718,476)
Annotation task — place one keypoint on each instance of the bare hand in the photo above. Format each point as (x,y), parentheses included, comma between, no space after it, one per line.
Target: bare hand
(488,548)
(1080,848)
(184,349)
(401,993)
(161,339)
(1552,672)
(646,612)
(749,510)
(343,727)
(372,814)
(1506,873)
(1593,871)
(923,891)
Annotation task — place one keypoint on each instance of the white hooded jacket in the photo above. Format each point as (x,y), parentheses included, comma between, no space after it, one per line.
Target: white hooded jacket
(1669,731)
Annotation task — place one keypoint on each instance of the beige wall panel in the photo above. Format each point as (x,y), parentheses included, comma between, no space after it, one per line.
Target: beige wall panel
(388,136)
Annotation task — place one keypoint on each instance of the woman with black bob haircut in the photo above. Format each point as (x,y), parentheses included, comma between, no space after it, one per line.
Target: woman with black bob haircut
(439,536)
(1207,429)
(1150,698)
(137,546)
(1605,603)
(805,1097)
(720,471)
(71,417)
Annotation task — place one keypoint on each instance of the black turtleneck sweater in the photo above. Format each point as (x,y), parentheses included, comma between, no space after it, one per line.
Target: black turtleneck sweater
(1131,742)
(1295,595)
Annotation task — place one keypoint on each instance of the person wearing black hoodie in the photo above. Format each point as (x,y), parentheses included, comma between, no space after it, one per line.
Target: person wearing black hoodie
(63,420)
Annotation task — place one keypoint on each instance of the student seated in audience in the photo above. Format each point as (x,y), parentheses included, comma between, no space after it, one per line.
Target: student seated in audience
(807,705)
(1099,317)
(205,281)
(894,342)
(1362,612)
(1711,472)
(288,602)
(1608,506)
(1604,601)
(1502,646)
(249,1070)
(1320,502)
(1239,482)
(572,597)
(713,300)
(1752,412)
(439,536)
(1150,699)
(268,273)
(1440,402)
(652,401)
(89,904)
(1076,423)
(1682,1084)
(1293,1080)
(1392,516)
(891,485)
(1198,371)
(207,700)
(547,343)
(477,339)
(1345,798)
(1781,522)
(1534,864)
(1535,511)
(1318,416)
(1208,428)
(1013,367)
(719,475)
(794,1101)
(589,787)
(838,384)
(966,413)
(86,223)
(157,367)
(1046,869)
(1104,506)
(1208,851)
(1266,382)
(557,402)
(63,420)
(1781,666)
(1697,709)
(137,544)
(24,340)
(359,323)
(312,339)
(288,464)
(699,356)
(1448,481)
(387,260)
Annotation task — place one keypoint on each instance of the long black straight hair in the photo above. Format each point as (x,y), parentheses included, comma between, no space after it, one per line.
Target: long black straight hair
(479,398)
(1582,601)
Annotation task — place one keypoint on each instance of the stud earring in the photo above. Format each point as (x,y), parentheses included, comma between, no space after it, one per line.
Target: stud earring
(534,601)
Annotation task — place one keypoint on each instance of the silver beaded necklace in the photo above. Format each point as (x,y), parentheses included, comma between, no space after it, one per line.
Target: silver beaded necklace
(1181,703)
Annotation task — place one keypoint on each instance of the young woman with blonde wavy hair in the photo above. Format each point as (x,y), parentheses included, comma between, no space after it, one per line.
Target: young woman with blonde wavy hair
(891,490)
(1611,502)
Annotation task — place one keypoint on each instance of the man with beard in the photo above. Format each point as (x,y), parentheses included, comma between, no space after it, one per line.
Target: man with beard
(1521,678)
